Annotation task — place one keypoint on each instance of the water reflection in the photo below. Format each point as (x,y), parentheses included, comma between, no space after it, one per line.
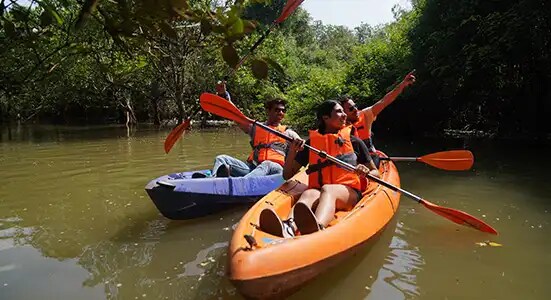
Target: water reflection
(161,260)
(397,279)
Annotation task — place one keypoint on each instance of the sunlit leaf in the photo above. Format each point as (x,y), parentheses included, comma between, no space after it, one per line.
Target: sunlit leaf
(237,27)
(488,243)
(259,68)
(48,7)
(230,55)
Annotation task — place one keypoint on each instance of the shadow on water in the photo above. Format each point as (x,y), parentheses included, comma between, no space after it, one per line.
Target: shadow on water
(162,258)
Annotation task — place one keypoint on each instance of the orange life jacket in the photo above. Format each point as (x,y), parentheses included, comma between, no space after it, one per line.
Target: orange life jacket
(322,171)
(363,131)
(267,146)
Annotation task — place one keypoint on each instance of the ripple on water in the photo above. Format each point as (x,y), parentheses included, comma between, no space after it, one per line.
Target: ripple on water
(397,278)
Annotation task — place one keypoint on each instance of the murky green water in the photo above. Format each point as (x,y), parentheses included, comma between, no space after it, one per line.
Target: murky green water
(75,222)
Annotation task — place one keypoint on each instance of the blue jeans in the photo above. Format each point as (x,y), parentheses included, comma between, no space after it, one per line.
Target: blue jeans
(245,169)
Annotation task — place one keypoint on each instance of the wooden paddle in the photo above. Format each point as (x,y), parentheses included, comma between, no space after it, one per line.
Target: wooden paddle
(178,131)
(219,106)
(453,160)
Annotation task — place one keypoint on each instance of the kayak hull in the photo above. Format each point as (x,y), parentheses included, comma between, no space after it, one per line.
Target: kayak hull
(276,267)
(180,197)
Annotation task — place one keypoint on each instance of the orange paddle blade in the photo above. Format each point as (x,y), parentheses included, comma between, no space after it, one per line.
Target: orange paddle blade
(223,108)
(454,160)
(459,217)
(175,134)
(288,10)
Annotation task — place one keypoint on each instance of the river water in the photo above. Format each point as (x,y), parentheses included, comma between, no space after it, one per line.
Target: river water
(76,223)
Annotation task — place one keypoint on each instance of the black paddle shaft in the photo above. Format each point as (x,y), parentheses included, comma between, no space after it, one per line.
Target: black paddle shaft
(345,165)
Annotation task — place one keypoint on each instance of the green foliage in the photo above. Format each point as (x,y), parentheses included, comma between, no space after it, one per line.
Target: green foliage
(481,65)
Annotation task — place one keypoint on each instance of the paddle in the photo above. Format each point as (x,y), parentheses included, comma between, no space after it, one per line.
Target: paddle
(218,106)
(453,160)
(178,131)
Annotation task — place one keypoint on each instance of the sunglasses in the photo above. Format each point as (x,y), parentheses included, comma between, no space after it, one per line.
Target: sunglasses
(283,110)
(353,108)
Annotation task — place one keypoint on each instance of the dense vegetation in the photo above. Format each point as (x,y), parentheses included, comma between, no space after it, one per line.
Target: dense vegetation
(482,66)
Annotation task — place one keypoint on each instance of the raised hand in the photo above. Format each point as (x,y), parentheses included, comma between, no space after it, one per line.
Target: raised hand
(409,79)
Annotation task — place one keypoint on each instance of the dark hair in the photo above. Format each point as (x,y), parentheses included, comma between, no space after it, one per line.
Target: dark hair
(325,109)
(273,102)
(344,98)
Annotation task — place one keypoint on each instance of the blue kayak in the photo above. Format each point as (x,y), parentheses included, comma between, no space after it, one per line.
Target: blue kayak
(179,196)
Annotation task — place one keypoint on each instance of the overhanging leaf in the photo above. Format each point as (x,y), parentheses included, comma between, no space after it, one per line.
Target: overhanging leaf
(237,27)
(248,26)
(168,30)
(179,4)
(45,19)
(275,65)
(88,8)
(259,68)
(206,27)
(9,28)
(230,55)
(48,7)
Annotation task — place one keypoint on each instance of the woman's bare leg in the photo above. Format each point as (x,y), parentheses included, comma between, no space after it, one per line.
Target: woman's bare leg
(308,197)
(333,197)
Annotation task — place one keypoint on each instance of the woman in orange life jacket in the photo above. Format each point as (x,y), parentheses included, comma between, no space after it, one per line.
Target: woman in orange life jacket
(269,150)
(330,187)
(363,119)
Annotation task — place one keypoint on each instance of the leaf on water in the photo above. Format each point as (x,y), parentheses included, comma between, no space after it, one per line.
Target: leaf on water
(230,55)
(259,68)
(274,64)
(488,243)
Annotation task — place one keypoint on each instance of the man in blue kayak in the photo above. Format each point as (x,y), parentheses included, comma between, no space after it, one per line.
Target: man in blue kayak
(269,150)
(222,91)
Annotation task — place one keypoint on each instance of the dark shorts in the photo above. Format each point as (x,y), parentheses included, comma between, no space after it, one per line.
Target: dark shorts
(359,193)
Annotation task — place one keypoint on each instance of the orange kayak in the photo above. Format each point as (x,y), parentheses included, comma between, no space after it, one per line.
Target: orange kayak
(264,266)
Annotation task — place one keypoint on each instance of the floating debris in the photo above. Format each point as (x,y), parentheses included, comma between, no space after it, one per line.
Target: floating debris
(489,243)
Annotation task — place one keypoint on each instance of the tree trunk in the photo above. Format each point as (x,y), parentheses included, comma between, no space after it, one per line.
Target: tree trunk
(155,96)
(130,116)
(180,105)
(155,107)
